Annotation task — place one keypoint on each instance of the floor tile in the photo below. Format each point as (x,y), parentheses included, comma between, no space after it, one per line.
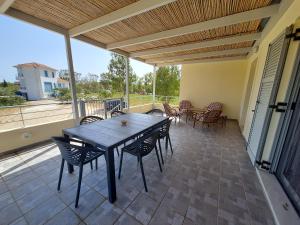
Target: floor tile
(45,211)
(105,214)
(9,214)
(142,208)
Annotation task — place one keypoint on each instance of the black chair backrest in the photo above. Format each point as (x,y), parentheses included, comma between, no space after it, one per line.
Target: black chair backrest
(116,113)
(73,154)
(148,142)
(158,112)
(90,119)
(164,130)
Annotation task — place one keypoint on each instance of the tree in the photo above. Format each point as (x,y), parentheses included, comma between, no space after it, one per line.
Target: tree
(148,82)
(4,84)
(116,74)
(8,95)
(168,81)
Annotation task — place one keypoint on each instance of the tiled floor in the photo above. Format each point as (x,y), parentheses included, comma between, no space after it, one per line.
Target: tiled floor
(208,180)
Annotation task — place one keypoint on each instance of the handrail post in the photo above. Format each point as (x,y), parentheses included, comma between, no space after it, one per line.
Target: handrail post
(82,108)
(105,108)
(121,104)
(23,122)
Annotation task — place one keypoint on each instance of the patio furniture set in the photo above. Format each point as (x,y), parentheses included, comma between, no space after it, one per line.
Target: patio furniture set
(96,137)
(212,114)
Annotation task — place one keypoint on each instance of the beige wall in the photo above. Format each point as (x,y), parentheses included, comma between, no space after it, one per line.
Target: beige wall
(223,81)
(30,135)
(22,137)
(286,20)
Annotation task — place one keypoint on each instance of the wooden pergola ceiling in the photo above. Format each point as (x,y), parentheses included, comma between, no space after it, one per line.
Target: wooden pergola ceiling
(154,31)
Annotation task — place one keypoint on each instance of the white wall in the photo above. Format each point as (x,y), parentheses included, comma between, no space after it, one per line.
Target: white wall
(32,82)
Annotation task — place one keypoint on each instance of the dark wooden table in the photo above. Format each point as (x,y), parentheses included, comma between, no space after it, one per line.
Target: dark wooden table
(108,134)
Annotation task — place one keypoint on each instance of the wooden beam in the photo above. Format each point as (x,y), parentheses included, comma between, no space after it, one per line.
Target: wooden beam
(203,61)
(36,21)
(200,55)
(5,4)
(203,44)
(118,15)
(205,25)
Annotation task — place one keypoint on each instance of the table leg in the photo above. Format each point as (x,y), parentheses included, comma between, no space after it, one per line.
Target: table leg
(111,179)
(70,167)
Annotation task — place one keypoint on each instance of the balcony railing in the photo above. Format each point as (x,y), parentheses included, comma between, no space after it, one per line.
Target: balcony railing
(16,117)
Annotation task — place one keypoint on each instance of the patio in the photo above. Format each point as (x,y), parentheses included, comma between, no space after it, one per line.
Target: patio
(208,180)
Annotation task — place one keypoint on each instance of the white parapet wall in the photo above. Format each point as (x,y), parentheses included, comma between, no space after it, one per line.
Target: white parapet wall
(23,137)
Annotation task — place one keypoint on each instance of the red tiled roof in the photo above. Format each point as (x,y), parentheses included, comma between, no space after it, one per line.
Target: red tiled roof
(35,65)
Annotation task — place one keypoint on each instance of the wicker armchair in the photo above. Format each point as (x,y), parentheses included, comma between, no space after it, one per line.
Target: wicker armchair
(214,106)
(184,107)
(172,112)
(208,117)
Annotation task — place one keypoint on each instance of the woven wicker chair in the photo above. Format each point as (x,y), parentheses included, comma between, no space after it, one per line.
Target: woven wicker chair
(140,148)
(214,106)
(208,117)
(76,156)
(172,112)
(184,107)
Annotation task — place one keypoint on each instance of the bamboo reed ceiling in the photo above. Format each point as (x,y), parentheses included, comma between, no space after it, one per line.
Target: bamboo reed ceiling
(203,50)
(237,29)
(228,56)
(71,13)
(177,14)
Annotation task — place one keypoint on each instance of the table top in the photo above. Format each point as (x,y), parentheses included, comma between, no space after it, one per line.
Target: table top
(110,133)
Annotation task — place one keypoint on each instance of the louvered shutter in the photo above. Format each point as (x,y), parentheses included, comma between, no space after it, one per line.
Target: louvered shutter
(267,94)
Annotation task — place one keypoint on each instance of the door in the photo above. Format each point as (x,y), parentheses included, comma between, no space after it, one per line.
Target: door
(267,94)
(288,170)
(248,92)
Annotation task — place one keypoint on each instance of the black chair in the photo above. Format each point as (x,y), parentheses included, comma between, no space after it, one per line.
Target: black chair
(116,113)
(140,148)
(87,120)
(155,112)
(90,119)
(76,156)
(164,134)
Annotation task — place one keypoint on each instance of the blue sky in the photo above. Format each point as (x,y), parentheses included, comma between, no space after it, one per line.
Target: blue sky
(23,43)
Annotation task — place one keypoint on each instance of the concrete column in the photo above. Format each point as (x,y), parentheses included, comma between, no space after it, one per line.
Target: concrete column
(72,78)
(154,85)
(127,83)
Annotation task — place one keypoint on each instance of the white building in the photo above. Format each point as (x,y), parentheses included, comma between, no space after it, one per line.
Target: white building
(38,81)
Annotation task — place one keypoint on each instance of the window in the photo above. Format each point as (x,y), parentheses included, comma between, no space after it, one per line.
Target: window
(54,84)
(48,86)
(46,73)
(53,74)
(59,85)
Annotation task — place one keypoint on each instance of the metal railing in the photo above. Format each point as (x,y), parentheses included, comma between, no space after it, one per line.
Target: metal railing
(14,117)
(20,116)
